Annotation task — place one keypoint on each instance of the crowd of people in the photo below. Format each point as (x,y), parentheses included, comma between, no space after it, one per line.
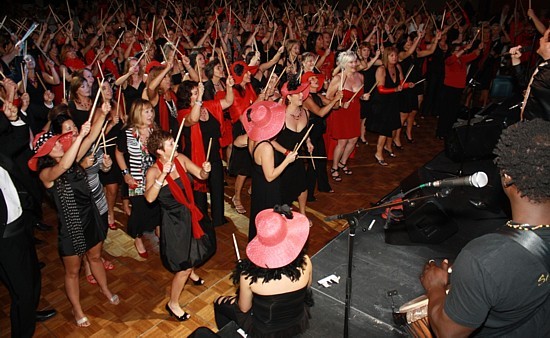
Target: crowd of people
(146,103)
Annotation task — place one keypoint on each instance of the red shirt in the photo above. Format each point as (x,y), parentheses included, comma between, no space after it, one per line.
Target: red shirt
(456,69)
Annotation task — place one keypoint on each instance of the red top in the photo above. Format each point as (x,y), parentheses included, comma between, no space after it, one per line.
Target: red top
(456,69)
(241,103)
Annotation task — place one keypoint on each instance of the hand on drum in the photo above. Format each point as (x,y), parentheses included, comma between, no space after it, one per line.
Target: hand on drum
(435,276)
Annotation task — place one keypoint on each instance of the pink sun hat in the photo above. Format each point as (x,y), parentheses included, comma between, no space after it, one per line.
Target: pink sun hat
(263,120)
(279,240)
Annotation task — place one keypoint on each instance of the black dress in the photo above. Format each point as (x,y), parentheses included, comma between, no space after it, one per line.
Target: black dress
(293,178)
(79,116)
(131,94)
(87,212)
(369,79)
(175,232)
(112,176)
(385,116)
(317,175)
(265,195)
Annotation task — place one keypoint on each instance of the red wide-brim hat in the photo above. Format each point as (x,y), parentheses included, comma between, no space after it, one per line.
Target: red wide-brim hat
(43,144)
(302,88)
(246,68)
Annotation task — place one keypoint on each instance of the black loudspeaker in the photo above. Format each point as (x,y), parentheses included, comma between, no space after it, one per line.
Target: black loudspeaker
(427,222)
(473,142)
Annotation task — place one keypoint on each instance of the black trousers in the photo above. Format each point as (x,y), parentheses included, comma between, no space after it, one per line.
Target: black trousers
(20,274)
(317,176)
(215,182)
(449,107)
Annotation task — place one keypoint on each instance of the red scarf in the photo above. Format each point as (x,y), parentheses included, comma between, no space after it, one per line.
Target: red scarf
(198,155)
(185,198)
(164,113)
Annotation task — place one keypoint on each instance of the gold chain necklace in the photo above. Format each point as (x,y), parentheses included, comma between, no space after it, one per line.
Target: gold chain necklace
(525,226)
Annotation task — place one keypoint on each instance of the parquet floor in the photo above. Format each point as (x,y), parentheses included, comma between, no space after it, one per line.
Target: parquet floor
(143,285)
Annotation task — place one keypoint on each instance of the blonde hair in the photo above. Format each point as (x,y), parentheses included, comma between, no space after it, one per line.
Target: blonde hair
(346,57)
(386,55)
(134,118)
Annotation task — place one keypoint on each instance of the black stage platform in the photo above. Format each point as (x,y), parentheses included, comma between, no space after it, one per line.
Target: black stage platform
(379,267)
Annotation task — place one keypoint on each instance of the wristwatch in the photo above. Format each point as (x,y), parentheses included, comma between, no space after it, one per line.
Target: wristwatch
(125,172)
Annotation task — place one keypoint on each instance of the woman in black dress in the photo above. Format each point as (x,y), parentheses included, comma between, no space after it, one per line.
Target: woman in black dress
(132,82)
(80,102)
(79,221)
(293,179)
(262,122)
(199,137)
(168,182)
(319,107)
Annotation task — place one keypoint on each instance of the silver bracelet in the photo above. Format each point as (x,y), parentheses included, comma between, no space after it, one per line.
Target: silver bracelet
(159,183)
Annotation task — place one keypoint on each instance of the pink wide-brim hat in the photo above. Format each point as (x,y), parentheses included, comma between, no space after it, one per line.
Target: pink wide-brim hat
(263,120)
(279,240)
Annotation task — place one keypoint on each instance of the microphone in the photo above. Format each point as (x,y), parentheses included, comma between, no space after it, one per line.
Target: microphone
(521,50)
(478,180)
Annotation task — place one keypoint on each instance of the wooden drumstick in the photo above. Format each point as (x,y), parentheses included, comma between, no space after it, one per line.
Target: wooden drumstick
(177,140)
(236,248)
(355,94)
(95,102)
(209,147)
(303,139)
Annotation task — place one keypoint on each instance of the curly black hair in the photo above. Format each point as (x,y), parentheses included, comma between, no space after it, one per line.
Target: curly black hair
(184,93)
(293,270)
(523,153)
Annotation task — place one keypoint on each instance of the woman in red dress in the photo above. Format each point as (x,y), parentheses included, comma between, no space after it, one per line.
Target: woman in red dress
(344,124)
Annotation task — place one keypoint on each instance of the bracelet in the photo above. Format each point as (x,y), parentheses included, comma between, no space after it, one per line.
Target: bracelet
(159,183)
(287,152)
(125,172)
(198,103)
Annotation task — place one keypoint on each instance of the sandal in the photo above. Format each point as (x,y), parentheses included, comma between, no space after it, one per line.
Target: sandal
(381,162)
(344,168)
(115,300)
(199,281)
(91,279)
(108,265)
(336,177)
(238,206)
(389,152)
(83,322)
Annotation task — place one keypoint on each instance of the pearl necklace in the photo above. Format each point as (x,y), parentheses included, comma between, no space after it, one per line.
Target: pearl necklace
(525,226)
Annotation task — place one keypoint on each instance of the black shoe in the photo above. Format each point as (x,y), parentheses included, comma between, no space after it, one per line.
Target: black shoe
(45,315)
(183,317)
(43,226)
(41,265)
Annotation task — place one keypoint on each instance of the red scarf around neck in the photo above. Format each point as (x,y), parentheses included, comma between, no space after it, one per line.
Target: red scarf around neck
(198,154)
(185,198)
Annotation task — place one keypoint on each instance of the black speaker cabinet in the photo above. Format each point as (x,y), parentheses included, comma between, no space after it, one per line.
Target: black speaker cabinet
(427,222)
(473,142)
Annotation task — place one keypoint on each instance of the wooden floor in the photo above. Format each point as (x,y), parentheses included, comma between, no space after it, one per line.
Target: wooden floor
(143,285)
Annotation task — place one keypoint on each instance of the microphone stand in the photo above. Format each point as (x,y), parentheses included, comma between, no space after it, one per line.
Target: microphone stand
(353,220)
(472,84)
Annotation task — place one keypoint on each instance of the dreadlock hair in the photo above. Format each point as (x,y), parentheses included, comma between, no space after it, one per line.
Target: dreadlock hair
(522,152)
